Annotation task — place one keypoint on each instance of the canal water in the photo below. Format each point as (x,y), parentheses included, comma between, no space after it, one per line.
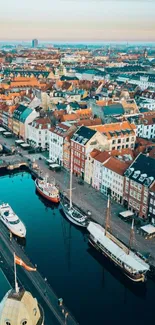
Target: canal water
(92,288)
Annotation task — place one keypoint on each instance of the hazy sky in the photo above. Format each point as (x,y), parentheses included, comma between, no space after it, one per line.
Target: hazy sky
(78,20)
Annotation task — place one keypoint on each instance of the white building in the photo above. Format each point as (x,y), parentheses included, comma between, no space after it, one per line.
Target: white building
(147,103)
(37,133)
(112,178)
(97,169)
(117,136)
(142,80)
(146,126)
(56,141)
(89,166)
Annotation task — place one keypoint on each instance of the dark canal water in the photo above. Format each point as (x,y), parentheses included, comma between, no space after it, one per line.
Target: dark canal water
(92,288)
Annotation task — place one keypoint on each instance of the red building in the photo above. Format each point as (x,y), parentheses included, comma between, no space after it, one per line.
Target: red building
(79,145)
(139,177)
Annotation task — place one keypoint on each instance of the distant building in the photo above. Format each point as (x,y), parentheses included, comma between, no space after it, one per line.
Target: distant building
(34,43)
(146,126)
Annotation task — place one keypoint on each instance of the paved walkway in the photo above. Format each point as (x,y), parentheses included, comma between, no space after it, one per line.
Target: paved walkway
(7,249)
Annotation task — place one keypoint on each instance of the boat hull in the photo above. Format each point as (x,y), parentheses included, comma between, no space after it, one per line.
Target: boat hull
(13,231)
(51,199)
(132,277)
(65,211)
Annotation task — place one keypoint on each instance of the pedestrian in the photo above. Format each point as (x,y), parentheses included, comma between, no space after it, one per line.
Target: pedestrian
(66,315)
(60,301)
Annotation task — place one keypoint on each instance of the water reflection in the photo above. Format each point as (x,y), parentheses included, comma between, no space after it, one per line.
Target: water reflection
(139,289)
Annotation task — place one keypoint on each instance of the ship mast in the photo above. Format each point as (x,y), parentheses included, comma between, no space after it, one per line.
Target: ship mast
(107,223)
(70,189)
(131,235)
(15,275)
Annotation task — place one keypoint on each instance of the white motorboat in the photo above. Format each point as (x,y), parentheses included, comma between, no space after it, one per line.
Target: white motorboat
(11,220)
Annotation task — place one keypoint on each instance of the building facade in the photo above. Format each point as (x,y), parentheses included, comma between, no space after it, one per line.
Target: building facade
(16,119)
(118,135)
(83,142)
(37,133)
(138,179)
(113,178)
(57,136)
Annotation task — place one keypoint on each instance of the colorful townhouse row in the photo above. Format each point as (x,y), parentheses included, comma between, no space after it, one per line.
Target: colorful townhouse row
(103,157)
(16,118)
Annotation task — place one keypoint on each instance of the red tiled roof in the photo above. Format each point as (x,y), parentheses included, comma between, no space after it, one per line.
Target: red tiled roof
(89,122)
(94,153)
(116,165)
(107,128)
(102,156)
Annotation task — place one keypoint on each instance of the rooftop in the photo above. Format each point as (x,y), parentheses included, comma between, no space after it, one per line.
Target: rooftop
(83,135)
(115,129)
(116,165)
(142,170)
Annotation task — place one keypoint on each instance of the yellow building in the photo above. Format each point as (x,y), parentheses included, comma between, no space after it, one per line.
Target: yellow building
(20,309)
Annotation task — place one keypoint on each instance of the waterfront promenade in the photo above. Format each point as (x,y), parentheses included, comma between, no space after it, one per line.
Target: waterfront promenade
(89,199)
(7,248)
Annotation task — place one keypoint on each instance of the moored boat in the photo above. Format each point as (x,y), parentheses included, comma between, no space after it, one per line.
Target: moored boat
(48,190)
(134,267)
(72,213)
(12,221)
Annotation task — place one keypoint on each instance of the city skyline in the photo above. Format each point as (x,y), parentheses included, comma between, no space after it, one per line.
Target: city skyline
(78,20)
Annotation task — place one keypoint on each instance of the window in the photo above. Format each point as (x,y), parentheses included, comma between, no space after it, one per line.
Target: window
(139,187)
(127,139)
(144,209)
(8,323)
(139,197)
(145,199)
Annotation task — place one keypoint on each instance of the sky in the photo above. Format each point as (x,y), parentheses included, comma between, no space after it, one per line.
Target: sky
(78,20)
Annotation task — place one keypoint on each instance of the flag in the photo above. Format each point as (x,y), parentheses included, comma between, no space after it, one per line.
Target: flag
(20,262)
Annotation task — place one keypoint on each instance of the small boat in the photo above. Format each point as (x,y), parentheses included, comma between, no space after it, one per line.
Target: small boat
(48,190)
(74,215)
(127,261)
(71,212)
(11,220)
